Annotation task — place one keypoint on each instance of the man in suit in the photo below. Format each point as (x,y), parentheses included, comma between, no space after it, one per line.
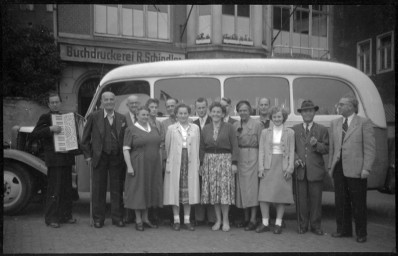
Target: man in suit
(132,104)
(102,146)
(351,156)
(201,106)
(226,102)
(58,207)
(263,108)
(311,143)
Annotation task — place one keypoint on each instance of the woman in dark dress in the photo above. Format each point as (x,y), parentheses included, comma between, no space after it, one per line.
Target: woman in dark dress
(143,185)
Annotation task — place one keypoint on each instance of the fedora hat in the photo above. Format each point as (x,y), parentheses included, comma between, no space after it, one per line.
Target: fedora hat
(307,104)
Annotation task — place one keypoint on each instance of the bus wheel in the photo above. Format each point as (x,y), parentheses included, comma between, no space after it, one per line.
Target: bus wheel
(17,188)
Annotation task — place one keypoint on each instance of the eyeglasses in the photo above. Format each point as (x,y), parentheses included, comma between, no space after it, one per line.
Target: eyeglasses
(342,104)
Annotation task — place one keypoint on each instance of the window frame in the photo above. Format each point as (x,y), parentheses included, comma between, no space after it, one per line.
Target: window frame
(378,53)
(359,44)
(145,25)
(236,22)
(211,22)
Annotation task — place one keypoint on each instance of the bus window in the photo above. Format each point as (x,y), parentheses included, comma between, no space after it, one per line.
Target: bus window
(254,88)
(186,90)
(123,90)
(324,92)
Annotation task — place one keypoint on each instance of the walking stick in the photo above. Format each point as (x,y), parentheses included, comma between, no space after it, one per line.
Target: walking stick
(91,193)
(297,200)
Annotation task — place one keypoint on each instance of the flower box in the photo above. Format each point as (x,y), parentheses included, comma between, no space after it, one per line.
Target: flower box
(230,41)
(249,43)
(203,41)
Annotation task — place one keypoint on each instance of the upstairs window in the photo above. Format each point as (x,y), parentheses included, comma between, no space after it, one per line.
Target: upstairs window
(236,20)
(128,20)
(364,56)
(204,26)
(385,52)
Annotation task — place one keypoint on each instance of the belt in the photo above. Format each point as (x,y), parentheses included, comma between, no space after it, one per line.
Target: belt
(248,147)
(218,151)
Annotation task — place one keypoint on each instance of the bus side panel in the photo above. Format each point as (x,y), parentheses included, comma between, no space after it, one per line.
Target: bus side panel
(378,174)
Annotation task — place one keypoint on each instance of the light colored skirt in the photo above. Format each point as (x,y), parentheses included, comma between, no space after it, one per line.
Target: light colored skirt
(273,187)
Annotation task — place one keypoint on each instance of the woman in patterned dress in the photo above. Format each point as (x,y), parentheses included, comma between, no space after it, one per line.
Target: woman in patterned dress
(143,184)
(219,157)
(181,180)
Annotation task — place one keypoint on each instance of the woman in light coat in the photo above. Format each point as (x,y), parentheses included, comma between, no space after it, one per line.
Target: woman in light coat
(276,165)
(181,180)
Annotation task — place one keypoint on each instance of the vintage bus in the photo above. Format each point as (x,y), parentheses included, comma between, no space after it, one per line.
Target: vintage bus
(286,82)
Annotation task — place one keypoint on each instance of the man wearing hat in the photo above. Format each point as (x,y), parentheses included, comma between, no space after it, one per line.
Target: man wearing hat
(311,142)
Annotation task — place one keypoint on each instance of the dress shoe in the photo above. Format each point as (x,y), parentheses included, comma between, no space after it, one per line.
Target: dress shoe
(317,231)
(118,223)
(302,230)
(54,225)
(148,224)
(277,229)
(189,227)
(361,239)
(176,226)
(251,226)
(139,226)
(339,234)
(262,228)
(98,224)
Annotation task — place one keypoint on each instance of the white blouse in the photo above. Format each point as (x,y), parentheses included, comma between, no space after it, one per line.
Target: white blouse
(184,133)
(276,139)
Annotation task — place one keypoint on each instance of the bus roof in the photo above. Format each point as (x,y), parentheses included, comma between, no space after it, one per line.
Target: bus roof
(367,91)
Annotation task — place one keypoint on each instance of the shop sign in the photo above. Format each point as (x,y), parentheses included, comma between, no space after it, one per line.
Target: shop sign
(113,55)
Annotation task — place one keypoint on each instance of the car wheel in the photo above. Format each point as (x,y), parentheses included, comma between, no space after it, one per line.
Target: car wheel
(17,188)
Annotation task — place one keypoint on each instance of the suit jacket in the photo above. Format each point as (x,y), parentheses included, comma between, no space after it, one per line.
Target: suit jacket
(311,155)
(197,122)
(265,149)
(42,132)
(358,148)
(94,132)
(128,119)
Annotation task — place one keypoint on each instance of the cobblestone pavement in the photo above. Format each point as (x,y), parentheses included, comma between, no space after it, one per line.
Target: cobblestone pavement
(27,233)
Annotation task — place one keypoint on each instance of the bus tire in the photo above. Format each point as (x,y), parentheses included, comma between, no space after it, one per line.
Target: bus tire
(18,186)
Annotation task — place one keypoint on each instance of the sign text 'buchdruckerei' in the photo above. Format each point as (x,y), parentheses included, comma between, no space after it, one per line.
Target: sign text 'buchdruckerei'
(114,56)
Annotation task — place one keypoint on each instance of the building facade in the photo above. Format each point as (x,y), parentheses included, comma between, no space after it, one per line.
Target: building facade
(95,38)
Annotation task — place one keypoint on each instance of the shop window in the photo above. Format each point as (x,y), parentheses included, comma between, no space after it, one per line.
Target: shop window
(385,52)
(236,21)
(253,88)
(204,24)
(364,56)
(141,21)
(324,92)
(186,90)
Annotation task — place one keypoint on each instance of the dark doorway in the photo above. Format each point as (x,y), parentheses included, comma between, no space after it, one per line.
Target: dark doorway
(86,93)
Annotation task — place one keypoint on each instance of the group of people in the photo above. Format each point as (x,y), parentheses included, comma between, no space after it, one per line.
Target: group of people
(216,163)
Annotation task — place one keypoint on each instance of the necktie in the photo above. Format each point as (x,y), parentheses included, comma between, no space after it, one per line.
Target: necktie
(306,130)
(345,127)
(110,119)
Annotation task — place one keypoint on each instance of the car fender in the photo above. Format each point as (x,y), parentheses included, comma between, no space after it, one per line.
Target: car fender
(26,158)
